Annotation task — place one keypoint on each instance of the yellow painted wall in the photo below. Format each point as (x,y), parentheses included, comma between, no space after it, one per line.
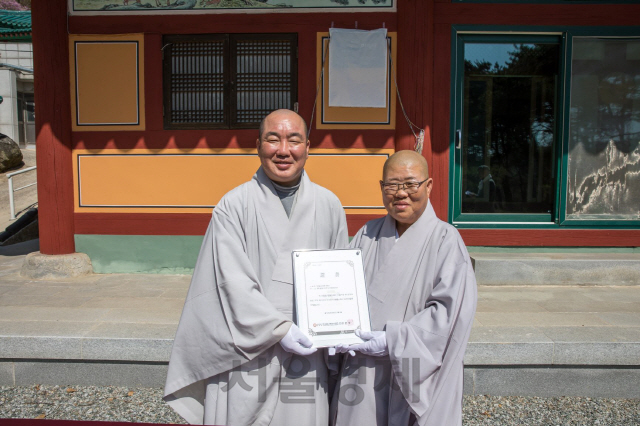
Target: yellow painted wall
(171,181)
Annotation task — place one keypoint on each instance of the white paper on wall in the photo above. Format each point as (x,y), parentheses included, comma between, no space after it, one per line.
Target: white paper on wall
(357,68)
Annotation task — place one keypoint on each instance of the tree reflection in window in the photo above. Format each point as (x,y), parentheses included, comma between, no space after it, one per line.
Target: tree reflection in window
(509,128)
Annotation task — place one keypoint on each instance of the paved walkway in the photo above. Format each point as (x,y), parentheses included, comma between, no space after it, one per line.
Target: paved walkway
(132,318)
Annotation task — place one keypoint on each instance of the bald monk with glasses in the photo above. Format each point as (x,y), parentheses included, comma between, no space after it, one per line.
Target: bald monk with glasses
(422,300)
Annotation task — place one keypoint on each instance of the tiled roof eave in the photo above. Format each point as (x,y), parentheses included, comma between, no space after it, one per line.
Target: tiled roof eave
(20,20)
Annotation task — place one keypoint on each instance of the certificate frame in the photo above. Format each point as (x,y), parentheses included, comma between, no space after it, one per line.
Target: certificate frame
(330,295)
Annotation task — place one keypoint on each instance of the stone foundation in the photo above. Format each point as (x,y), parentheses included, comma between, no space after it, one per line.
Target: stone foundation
(56,267)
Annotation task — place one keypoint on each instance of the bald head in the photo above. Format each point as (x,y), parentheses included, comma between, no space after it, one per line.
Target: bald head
(283,114)
(406,159)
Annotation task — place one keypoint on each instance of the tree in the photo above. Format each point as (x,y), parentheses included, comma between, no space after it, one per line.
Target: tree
(14,5)
(510,114)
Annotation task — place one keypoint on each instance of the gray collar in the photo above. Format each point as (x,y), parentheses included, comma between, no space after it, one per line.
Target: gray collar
(286,189)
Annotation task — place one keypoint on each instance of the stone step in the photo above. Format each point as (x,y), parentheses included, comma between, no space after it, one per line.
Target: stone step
(557,268)
(601,361)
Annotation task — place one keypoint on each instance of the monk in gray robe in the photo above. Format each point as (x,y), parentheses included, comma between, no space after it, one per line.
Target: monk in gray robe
(422,299)
(237,357)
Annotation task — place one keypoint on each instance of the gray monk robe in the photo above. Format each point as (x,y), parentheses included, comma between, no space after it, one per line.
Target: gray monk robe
(422,292)
(227,366)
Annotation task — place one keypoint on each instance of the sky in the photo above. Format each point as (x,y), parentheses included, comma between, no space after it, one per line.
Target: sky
(490,52)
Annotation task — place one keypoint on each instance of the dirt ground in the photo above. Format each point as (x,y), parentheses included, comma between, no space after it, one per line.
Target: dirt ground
(25,198)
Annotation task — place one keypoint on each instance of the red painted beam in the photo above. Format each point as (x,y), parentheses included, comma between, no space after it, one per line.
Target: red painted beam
(191,139)
(196,224)
(357,221)
(53,126)
(167,223)
(142,223)
(537,14)
(204,23)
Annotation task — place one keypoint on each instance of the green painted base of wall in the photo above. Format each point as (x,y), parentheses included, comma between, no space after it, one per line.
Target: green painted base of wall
(177,254)
(140,254)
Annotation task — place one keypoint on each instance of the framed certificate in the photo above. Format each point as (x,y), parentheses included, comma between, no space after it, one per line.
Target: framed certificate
(330,295)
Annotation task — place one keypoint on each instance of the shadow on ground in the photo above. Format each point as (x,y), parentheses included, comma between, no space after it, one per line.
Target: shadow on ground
(20,249)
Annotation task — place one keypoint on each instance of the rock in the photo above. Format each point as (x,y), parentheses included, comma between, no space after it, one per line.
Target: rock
(56,267)
(10,154)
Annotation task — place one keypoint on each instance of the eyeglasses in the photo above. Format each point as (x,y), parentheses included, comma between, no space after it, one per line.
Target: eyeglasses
(408,187)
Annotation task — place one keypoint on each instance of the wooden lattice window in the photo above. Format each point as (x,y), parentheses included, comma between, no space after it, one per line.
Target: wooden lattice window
(222,81)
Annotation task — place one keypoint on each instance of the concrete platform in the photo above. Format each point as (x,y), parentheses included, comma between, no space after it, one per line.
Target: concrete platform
(590,268)
(541,340)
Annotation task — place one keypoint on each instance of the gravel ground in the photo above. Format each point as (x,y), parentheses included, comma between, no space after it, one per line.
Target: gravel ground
(109,403)
(563,411)
(145,405)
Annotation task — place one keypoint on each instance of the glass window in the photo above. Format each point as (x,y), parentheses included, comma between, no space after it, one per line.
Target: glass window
(508,128)
(603,170)
(29,108)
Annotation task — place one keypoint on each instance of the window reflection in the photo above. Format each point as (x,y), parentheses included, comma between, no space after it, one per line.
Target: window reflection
(509,127)
(604,135)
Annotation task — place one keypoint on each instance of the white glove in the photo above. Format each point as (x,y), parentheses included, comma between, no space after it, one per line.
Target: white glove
(297,343)
(341,348)
(375,343)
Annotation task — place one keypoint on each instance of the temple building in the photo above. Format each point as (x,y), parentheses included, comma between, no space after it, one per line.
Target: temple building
(147,112)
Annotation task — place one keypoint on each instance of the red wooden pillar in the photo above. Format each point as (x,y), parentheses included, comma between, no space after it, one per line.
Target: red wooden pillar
(53,126)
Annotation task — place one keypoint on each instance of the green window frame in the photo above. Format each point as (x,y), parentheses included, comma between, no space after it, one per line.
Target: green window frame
(565,36)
